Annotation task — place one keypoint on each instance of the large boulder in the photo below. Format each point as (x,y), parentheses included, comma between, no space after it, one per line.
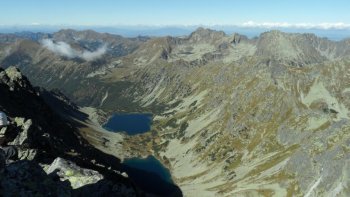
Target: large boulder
(86,182)
(76,175)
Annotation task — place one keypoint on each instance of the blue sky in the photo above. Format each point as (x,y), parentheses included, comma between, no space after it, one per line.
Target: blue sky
(176,12)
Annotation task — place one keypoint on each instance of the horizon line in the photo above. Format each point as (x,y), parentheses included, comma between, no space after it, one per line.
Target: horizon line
(248,25)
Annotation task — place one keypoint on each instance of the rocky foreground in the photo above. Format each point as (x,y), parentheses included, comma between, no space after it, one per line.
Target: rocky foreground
(53,160)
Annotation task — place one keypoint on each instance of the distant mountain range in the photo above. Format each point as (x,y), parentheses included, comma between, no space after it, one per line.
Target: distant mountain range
(134,31)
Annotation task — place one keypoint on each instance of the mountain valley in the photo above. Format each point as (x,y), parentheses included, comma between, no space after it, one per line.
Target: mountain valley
(232,115)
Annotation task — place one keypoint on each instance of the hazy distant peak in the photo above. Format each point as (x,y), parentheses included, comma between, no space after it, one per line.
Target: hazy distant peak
(205,33)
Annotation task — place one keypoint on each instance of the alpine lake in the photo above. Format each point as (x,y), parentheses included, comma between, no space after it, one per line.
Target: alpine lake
(147,173)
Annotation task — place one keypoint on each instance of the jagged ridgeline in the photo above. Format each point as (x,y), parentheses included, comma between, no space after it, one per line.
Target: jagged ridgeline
(232,116)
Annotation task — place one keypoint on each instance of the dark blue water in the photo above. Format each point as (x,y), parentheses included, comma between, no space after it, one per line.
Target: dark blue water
(150,164)
(148,174)
(151,176)
(132,124)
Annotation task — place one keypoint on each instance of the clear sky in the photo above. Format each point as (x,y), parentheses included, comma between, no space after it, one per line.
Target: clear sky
(174,12)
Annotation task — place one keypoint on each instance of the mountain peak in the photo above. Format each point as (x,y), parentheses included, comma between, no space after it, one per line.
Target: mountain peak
(205,33)
(292,47)
(13,78)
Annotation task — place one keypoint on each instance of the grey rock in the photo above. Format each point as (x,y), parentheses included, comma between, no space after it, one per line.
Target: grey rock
(27,154)
(22,138)
(76,175)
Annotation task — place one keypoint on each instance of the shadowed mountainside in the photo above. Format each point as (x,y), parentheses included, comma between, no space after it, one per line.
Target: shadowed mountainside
(53,157)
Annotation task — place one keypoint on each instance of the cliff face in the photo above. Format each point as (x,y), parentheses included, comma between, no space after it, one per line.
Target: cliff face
(52,160)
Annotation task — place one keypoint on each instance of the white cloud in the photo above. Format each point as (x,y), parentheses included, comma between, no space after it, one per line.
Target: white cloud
(88,55)
(324,26)
(60,48)
(35,23)
(64,49)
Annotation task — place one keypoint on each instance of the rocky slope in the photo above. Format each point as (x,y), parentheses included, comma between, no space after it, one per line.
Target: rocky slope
(233,116)
(53,159)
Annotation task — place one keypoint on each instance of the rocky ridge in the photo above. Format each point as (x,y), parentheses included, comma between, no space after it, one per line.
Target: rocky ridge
(50,152)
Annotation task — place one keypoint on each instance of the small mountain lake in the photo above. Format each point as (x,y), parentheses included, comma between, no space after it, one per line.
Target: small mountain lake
(151,176)
(147,173)
(131,123)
